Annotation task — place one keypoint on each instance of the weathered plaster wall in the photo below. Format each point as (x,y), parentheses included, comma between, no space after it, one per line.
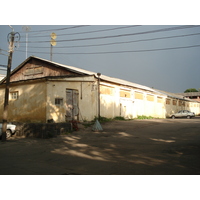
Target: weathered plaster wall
(86,100)
(30,106)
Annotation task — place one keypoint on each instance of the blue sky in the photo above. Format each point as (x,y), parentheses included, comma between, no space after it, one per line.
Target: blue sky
(140,54)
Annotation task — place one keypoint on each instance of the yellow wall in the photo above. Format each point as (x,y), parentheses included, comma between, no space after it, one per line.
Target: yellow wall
(30,106)
(87,101)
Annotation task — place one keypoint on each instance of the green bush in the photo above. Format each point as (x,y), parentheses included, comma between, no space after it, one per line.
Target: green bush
(144,117)
(119,118)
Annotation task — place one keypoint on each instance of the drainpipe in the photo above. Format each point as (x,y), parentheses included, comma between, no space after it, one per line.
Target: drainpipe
(99,74)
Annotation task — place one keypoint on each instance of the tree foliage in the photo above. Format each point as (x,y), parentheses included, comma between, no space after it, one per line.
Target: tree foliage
(191,90)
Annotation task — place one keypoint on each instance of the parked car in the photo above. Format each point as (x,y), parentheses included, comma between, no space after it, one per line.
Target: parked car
(183,113)
(11,128)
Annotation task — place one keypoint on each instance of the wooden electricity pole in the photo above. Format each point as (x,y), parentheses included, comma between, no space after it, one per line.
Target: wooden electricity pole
(5,111)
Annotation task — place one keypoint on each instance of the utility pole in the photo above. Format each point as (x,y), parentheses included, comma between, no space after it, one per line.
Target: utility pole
(11,38)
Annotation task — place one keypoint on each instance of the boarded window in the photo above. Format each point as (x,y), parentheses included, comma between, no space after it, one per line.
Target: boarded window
(150,98)
(106,90)
(168,101)
(174,102)
(36,69)
(180,103)
(138,95)
(58,101)
(125,93)
(159,99)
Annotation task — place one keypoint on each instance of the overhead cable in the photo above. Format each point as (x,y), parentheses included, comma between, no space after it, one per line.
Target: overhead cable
(59,29)
(113,43)
(110,29)
(121,35)
(128,51)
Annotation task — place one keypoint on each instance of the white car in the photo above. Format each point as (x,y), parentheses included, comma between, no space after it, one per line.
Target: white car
(11,128)
(183,113)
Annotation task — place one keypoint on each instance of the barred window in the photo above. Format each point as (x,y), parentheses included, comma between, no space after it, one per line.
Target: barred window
(14,95)
(58,101)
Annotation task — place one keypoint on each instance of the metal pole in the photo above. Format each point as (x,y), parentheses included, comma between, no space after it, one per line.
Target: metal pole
(26,43)
(5,111)
(51,52)
(26,28)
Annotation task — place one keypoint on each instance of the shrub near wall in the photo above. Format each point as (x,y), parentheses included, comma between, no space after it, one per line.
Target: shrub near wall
(42,130)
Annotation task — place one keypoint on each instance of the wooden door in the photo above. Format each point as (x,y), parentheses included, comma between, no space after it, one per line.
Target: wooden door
(72,110)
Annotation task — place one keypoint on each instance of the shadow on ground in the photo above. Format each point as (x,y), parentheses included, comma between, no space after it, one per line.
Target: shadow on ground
(139,147)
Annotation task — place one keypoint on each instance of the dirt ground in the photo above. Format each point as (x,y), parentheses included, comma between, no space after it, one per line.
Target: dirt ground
(137,147)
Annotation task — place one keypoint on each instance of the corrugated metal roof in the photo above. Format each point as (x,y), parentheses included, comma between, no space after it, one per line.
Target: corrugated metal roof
(102,77)
(173,95)
(86,72)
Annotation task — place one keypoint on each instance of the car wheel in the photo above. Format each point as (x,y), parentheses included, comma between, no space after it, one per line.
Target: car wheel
(188,117)
(8,133)
(173,117)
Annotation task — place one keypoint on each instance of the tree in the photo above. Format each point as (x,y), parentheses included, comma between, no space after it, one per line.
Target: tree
(191,90)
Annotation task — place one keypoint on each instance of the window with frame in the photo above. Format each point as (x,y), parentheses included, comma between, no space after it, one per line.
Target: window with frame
(174,102)
(139,95)
(106,90)
(58,101)
(125,93)
(159,99)
(150,97)
(14,95)
(168,101)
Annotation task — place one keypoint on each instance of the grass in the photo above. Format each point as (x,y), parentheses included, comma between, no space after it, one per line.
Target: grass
(87,124)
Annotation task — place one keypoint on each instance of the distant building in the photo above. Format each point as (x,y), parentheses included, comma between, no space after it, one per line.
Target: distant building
(191,95)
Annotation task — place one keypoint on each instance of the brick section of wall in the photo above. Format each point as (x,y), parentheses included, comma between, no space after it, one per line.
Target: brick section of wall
(42,130)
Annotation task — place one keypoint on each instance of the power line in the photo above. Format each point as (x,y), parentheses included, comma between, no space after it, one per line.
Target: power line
(131,41)
(59,29)
(3,50)
(122,35)
(110,29)
(3,65)
(131,51)
(3,54)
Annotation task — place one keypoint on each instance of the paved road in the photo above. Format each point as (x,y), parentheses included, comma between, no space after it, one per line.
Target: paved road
(138,147)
